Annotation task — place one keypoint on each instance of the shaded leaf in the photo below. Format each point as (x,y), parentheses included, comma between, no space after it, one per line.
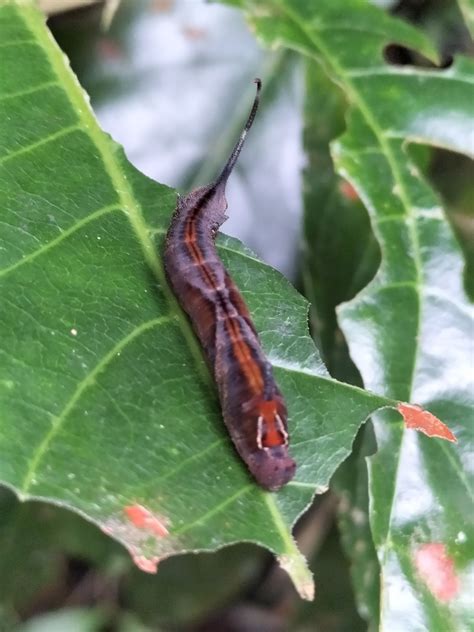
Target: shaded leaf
(341,256)
(467,8)
(38,542)
(333,608)
(340,252)
(407,329)
(77,619)
(350,482)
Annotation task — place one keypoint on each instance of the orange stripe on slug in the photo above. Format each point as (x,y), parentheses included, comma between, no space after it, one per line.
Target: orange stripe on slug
(244,357)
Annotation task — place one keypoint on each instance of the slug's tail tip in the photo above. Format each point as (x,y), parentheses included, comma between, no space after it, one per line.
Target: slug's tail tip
(222,178)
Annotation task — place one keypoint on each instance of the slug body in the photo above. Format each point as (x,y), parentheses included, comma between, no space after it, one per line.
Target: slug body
(253,407)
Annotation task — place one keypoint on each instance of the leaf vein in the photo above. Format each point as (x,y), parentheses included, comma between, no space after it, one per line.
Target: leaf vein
(28,91)
(64,235)
(44,141)
(215,510)
(58,421)
(111,161)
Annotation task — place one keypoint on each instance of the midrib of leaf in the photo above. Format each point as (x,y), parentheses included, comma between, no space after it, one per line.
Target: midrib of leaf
(298,570)
(131,206)
(127,203)
(359,101)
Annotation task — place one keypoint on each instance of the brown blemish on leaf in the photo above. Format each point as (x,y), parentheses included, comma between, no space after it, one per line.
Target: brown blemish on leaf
(436,568)
(419,419)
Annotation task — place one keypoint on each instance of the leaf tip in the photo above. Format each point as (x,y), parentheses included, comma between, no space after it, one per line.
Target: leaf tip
(297,568)
(418,418)
(148,565)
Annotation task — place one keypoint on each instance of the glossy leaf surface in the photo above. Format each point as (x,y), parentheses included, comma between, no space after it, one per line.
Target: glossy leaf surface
(106,402)
(407,330)
(467,8)
(341,256)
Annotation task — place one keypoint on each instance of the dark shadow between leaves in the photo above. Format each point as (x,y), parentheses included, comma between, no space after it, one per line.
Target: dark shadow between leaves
(397,55)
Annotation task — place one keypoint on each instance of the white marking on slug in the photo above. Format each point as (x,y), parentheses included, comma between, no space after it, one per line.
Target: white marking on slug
(281,428)
(259,432)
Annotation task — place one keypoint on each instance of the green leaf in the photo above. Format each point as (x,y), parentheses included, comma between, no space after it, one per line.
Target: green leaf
(341,256)
(467,9)
(77,619)
(407,330)
(351,484)
(106,401)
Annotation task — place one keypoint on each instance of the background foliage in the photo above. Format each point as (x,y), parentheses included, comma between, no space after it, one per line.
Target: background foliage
(66,562)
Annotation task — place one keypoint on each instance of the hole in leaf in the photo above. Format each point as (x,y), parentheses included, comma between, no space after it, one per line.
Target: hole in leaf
(398,55)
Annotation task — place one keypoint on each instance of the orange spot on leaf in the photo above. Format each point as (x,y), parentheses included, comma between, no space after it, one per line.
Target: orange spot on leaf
(436,569)
(144,519)
(419,419)
(347,190)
